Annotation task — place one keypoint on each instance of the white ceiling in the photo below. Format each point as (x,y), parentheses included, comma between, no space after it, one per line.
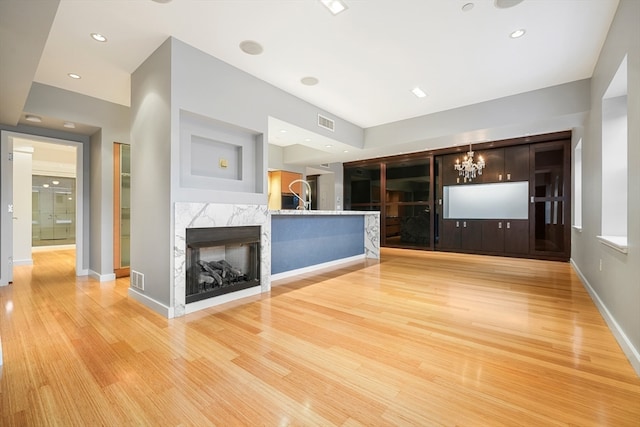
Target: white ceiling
(367,58)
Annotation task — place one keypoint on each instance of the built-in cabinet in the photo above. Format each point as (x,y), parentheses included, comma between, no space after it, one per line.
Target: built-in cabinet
(519,205)
(531,182)
(503,165)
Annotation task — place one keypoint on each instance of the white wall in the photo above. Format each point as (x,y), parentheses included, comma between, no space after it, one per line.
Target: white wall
(22,163)
(614,166)
(615,288)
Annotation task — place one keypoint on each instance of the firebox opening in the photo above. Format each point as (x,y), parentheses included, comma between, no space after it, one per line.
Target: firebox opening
(221,260)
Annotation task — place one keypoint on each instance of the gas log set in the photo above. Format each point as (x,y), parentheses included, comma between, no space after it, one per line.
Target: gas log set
(216,274)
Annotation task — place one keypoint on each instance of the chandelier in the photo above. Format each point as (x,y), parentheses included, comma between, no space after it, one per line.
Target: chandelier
(467,168)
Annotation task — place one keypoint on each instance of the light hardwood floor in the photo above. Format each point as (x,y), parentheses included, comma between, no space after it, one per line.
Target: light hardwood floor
(417,339)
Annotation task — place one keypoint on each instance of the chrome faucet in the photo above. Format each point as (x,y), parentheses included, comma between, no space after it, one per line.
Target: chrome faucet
(306,203)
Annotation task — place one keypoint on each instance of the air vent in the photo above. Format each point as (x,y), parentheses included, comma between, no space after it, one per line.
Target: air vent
(137,280)
(327,123)
(325,165)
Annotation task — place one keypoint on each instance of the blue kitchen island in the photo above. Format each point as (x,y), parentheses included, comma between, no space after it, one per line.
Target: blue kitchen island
(305,240)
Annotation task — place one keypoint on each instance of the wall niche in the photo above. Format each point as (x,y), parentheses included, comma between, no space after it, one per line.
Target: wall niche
(219,155)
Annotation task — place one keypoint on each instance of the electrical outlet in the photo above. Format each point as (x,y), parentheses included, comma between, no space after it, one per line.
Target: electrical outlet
(600,264)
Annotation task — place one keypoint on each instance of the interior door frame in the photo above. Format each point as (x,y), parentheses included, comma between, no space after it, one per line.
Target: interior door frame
(6,199)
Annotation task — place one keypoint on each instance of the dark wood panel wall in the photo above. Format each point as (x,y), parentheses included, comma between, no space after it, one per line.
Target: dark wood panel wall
(544,161)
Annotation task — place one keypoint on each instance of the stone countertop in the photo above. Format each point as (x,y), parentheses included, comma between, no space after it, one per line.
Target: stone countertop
(318,212)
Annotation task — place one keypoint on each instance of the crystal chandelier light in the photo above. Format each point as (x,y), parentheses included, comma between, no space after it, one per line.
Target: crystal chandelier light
(467,168)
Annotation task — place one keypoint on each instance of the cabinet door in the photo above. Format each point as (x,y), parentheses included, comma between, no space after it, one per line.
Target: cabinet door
(471,235)
(516,163)
(493,232)
(450,234)
(287,178)
(494,165)
(516,236)
(450,176)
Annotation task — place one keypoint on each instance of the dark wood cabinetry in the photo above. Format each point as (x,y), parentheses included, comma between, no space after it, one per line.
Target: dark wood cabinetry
(509,236)
(502,165)
(465,235)
(516,237)
(491,236)
(471,235)
(450,176)
(516,163)
(540,229)
(449,235)
(519,206)
(505,164)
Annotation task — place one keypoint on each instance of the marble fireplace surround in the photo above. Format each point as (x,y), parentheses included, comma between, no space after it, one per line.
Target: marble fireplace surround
(199,215)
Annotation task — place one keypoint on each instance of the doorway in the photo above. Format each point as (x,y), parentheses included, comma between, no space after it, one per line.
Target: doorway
(42,187)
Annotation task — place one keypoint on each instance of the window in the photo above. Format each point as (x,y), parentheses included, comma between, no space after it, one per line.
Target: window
(577,174)
(615,162)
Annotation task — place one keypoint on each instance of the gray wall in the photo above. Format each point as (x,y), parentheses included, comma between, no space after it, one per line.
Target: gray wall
(151,208)
(617,287)
(112,120)
(540,111)
(175,78)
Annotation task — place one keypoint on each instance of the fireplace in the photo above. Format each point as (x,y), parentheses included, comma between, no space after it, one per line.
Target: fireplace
(220,260)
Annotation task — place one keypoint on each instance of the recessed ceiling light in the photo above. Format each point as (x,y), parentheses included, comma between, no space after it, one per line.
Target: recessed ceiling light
(162,1)
(74,76)
(518,33)
(418,92)
(309,81)
(328,146)
(504,4)
(69,125)
(345,151)
(45,185)
(98,37)
(55,182)
(334,6)
(308,139)
(251,47)
(467,7)
(34,119)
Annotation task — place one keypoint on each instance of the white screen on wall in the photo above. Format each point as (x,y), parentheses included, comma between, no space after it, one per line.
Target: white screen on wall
(507,200)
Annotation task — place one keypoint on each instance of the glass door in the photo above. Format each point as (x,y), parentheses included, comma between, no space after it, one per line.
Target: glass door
(122,209)
(550,199)
(53,210)
(407,214)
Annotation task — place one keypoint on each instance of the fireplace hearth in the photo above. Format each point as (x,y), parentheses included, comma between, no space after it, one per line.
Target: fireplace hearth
(220,260)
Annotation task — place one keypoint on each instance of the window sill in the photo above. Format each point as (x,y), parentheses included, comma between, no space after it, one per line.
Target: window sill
(619,243)
(578,228)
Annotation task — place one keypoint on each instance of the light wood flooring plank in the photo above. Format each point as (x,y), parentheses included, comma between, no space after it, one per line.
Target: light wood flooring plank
(415,339)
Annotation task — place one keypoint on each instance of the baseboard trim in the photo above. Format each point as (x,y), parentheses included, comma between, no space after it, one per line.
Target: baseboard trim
(154,305)
(312,268)
(27,261)
(627,347)
(102,277)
